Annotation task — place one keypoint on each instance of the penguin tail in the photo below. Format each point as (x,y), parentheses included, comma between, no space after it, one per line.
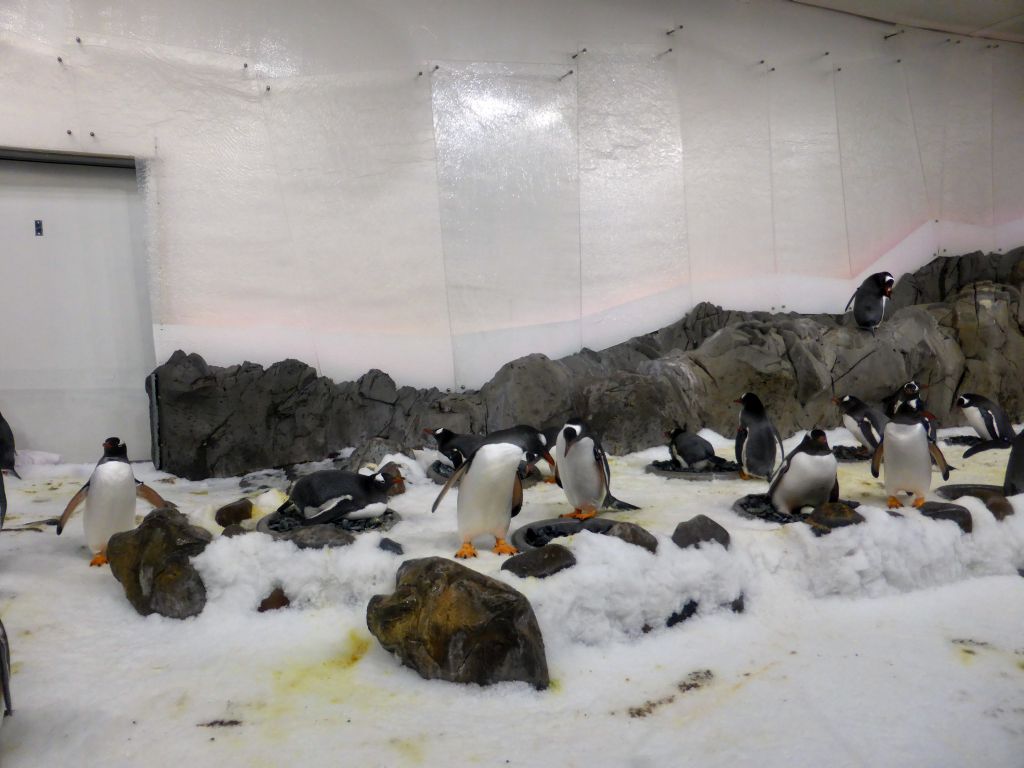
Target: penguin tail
(14,472)
(610,502)
(987,445)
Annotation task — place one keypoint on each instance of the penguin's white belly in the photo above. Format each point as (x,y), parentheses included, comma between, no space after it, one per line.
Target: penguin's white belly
(485,492)
(110,504)
(854,428)
(582,478)
(906,459)
(808,482)
(974,418)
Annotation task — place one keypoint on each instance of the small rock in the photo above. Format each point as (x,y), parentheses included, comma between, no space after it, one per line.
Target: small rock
(275,600)
(542,562)
(633,534)
(233,513)
(317,536)
(831,515)
(234,530)
(739,604)
(699,529)
(153,564)
(448,622)
(683,613)
(938,510)
(390,545)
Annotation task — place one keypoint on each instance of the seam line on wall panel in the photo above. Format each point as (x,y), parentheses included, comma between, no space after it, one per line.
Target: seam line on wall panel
(842,174)
(440,231)
(771,172)
(917,138)
(579,198)
(992,141)
(677,79)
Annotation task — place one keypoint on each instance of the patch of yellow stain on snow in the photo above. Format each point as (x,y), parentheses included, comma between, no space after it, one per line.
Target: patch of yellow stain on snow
(408,748)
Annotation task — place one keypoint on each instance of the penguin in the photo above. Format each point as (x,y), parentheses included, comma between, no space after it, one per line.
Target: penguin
(865,423)
(7,455)
(869,300)
(456,447)
(530,439)
(582,471)
(988,419)
(329,495)
(1013,481)
(5,672)
(807,477)
(756,439)
(911,393)
(490,495)
(109,497)
(453,446)
(907,453)
(689,450)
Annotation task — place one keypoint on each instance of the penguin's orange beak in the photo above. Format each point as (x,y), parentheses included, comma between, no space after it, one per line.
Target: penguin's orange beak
(738,402)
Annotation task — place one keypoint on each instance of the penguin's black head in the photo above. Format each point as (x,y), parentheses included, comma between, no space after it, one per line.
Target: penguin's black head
(113,447)
(389,478)
(964,401)
(751,402)
(571,432)
(911,389)
(819,437)
(455,456)
(440,434)
(532,457)
(887,281)
(673,434)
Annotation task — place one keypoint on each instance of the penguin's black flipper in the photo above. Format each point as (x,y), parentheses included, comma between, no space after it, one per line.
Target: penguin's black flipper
(610,502)
(988,445)
(517,496)
(143,491)
(876,460)
(5,671)
(940,460)
(741,438)
(77,499)
(3,500)
(452,482)
(868,430)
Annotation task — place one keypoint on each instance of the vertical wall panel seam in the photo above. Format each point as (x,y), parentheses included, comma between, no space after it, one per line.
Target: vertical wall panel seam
(842,174)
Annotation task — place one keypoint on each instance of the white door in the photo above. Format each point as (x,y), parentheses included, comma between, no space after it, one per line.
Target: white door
(76,338)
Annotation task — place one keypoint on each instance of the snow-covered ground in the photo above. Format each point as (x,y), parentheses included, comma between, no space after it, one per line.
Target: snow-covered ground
(899,642)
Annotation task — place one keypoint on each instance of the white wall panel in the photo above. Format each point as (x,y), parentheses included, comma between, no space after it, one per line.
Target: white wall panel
(1008,147)
(509,191)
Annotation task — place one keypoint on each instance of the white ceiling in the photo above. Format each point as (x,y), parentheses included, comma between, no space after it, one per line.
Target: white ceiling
(997,19)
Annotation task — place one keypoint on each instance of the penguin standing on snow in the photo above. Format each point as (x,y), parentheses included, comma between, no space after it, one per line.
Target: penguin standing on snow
(756,439)
(332,494)
(865,423)
(582,471)
(109,497)
(7,455)
(907,454)
(1013,482)
(807,477)
(689,450)
(988,419)
(869,300)
(490,495)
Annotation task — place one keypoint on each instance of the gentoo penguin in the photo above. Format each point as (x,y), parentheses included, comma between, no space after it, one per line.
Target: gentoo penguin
(988,419)
(911,393)
(907,454)
(7,454)
(332,494)
(490,494)
(756,439)
(865,423)
(807,477)
(869,300)
(582,471)
(1013,482)
(109,497)
(689,450)
(453,446)
(5,671)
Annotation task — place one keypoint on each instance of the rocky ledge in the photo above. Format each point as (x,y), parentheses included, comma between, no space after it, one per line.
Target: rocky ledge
(956,324)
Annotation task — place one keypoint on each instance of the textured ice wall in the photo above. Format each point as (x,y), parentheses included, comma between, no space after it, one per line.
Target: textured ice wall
(357,214)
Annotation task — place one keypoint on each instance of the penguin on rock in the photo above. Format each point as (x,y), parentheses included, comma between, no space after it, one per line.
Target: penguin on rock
(109,498)
(689,450)
(756,439)
(988,419)
(490,495)
(582,471)
(807,476)
(865,423)
(907,453)
(869,300)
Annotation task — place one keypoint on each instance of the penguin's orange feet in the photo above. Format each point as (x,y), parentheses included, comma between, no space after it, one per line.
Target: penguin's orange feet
(502,547)
(467,550)
(580,514)
(894,503)
(550,479)
(919,502)
(98,560)
(744,476)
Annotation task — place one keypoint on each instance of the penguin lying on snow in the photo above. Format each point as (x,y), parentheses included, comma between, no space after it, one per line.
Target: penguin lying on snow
(456,448)
(582,471)
(332,494)
(865,423)
(988,419)
(869,300)
(109,497)
(689,450)
(907,453)
(490,495)
(807,476)
(1013,482)
(756,439)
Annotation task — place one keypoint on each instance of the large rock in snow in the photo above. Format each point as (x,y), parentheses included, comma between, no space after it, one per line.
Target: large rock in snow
(449,622)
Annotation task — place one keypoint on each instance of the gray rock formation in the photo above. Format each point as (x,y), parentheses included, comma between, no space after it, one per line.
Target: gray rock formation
(449,622)
(956,324)
(699,529)
(541,562)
